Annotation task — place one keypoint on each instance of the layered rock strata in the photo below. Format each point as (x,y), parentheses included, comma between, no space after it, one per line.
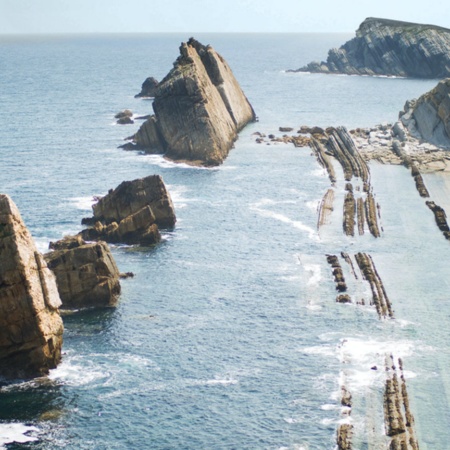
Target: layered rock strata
(379,296)
(440,217)
(325,208)
(338,274)
(132,213)
(392,48)
(86,274)
(399,421)
(30,325)
(199,109)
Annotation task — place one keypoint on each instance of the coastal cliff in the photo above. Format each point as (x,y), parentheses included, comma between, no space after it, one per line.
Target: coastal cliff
(30,325)
(199,109)
(392,48)
(428,117)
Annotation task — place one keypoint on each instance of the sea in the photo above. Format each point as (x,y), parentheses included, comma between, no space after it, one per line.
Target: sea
(229,335)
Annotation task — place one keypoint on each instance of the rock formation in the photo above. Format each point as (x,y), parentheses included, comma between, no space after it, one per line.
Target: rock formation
(428,118)
(124,117)
(149,87)
(30,325)
(392,48)
(132,213)
(86,274)
(199,109)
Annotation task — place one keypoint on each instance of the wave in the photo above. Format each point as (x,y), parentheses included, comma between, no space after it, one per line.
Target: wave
(83,203)
(16,433)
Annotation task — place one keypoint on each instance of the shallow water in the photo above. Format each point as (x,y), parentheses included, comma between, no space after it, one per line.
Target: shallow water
(229,335)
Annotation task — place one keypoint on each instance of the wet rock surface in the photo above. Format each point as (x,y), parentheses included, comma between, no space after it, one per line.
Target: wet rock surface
(86,273)
(392,48)
(30,324)
(199,109)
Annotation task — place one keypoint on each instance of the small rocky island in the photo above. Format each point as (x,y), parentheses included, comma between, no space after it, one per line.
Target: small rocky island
(391,48)
(199,109)
(31,328)
(132,213)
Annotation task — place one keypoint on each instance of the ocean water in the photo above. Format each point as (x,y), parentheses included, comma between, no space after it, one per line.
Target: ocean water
(228,336)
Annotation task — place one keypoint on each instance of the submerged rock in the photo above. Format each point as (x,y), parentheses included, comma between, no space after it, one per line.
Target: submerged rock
(30,324)
(86,274)
(392,48)
(199,109)
(132,213)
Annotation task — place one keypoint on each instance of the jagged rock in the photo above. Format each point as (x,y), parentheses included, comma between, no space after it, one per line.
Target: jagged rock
(429,116)
(30,325)
(393,48)
(199,109)
(149,87)
(86,274)
(132,213)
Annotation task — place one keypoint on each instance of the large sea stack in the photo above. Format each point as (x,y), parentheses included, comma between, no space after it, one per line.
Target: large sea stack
(392,48)
(199,109)
(30,325)
(428,117)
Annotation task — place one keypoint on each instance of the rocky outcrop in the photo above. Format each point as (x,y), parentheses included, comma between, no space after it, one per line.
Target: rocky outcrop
(124,117)
(428,118)
(392,48)
(132,213)
(199,109)
(149,87)
(86,274)
(30,325)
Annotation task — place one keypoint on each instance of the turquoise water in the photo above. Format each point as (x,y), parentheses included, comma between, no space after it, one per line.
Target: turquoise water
(228,337)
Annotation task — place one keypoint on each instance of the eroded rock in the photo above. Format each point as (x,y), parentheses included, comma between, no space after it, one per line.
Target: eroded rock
(30,324)
(86,274)
(132,213)
(148,88)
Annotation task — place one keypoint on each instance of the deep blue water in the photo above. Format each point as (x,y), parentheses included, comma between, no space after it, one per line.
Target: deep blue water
(228,337)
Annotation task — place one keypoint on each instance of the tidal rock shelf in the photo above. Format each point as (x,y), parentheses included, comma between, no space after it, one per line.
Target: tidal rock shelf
(390,48)
(345,429)
(379,296)
(31,328)
(440,217)
(199,109)
(325,208)
(399,421)
(338,274)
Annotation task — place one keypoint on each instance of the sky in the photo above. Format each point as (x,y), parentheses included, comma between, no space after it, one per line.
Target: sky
(147,16)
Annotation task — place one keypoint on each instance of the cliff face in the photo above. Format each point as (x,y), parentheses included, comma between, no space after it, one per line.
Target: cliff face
(392,48)
(199,109)
(428,118)
(30,325)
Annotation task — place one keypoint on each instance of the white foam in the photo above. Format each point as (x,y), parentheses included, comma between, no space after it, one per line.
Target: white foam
(313,205)
(16,432)
(223,381)
(177,195)
(76,375)
(84,203)
(316,274)
(323,350)
(258,207)
(329,407)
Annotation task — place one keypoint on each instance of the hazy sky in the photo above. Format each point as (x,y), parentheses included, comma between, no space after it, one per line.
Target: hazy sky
(71,16)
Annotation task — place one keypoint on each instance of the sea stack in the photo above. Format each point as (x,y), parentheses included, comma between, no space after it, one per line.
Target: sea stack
(86,273)
(132,213)
(391,48)
(30,324)
(428,117)
(199,108)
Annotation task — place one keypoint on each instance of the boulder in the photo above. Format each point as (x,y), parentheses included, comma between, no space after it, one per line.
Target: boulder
(132,213)
(199,109)
(86,274)
(31,328)
(428,117)
(392,48)
(123,114)
(149,87)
